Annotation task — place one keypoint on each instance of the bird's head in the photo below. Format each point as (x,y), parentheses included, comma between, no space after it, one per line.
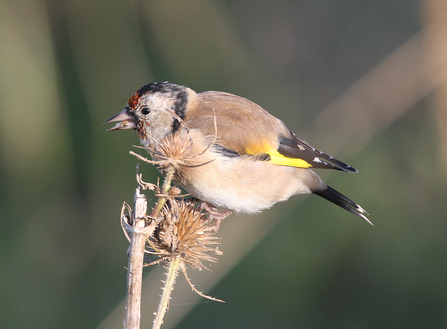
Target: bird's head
(154,111)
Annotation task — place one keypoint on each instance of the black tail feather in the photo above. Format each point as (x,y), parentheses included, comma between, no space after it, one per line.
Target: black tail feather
(340,200)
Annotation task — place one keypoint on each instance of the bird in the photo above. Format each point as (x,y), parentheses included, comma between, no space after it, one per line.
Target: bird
(242,158)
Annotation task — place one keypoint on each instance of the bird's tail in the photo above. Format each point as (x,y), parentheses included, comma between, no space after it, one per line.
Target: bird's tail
(340,200)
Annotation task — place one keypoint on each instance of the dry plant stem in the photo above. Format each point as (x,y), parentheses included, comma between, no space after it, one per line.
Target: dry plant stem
(139,233)
(164,191)
(171,275)
(175,261)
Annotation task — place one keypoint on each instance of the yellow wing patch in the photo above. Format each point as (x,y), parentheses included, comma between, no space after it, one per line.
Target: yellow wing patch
(279,159)
(276,157)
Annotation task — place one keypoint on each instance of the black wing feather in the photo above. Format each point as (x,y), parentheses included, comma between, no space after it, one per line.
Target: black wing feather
(296,147)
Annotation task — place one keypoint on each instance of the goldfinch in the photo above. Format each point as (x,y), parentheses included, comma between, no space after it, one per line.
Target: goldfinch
(242,158)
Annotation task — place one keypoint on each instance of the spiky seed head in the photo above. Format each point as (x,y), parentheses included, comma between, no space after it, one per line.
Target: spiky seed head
(185,231)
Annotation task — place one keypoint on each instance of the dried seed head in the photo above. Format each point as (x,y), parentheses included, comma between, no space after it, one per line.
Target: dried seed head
(172,150)
(185,231)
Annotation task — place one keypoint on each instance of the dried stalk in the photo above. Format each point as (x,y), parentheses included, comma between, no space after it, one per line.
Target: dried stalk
(138,232)
(138,236)
(178,231)
(164,193)
(171,275)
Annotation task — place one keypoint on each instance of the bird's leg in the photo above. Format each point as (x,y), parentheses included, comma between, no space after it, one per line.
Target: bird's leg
(215,214)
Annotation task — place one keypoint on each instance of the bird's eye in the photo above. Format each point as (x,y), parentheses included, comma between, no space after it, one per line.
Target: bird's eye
(145,111)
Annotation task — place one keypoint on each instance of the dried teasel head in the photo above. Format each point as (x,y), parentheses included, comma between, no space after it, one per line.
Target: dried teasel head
(172,150)
(186,234)
(185,231)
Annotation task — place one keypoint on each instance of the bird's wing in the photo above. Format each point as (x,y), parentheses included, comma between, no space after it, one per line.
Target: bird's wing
(296,147)
(242,127)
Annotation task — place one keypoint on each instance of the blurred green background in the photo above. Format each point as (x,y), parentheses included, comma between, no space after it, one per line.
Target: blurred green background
(357,79)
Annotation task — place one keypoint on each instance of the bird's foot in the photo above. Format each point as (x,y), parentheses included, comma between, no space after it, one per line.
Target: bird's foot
(215,214)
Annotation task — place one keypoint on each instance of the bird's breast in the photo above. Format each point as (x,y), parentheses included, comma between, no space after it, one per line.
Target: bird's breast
(240,183)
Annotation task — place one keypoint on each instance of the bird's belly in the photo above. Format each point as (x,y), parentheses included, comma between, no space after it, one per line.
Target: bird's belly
(245,186)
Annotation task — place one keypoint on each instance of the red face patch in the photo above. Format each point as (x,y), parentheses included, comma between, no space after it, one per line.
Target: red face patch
(133,101)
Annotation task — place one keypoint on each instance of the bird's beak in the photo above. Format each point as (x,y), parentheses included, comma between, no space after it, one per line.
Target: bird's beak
(124,123)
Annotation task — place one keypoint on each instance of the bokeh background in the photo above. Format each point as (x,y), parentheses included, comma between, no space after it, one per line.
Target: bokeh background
(364,81)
